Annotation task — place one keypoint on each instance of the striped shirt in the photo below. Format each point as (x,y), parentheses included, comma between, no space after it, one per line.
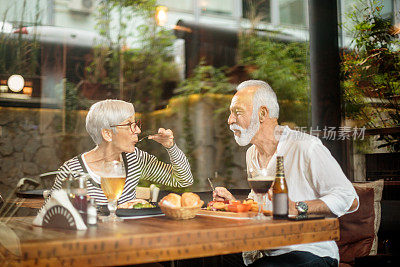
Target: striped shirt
(138,165)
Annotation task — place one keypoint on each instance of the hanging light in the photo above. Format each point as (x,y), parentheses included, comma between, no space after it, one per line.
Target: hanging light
(16,83)
(161,15)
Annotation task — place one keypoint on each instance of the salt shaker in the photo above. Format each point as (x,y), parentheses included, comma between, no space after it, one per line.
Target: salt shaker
(91,213)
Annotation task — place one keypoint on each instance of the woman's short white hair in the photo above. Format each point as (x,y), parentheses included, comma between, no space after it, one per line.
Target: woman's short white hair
(105,113)
(264,96)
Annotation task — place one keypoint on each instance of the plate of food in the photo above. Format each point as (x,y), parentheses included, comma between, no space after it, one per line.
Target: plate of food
(232,209)
(137,207)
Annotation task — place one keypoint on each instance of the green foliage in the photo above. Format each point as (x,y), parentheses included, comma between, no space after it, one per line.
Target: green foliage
(17,54)
(190,143)
(140,5)
(148,69)
(371,72)
(283,65)
(205,79)
(141,74)
(226,168)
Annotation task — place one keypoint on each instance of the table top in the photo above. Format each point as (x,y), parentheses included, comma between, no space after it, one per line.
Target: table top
(154,239)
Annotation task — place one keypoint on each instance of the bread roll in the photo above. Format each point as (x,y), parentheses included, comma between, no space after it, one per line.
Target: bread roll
(190,200)
(171,200)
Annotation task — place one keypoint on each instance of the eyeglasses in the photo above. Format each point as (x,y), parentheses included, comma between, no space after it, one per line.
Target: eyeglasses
(132,125)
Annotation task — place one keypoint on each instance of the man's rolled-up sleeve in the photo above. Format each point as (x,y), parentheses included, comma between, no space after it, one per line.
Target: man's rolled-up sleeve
(328,179)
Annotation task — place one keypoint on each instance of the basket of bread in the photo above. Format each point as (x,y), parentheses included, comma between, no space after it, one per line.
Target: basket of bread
(182,207)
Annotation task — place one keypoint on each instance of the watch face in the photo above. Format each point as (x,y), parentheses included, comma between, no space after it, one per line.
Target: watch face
(302,207)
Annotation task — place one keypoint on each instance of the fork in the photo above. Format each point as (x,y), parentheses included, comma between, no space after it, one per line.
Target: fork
(147,135)
(144,137)
(211,184)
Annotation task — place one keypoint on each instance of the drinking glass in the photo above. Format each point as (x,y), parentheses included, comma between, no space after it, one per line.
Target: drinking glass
(112,183)
(260,182)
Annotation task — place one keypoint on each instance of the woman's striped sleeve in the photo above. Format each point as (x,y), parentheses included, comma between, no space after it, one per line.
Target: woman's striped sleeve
(175,174)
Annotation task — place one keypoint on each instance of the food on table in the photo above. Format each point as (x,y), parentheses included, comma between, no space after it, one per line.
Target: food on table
(176,201)
(254,205)
(239,207)
(233,206)
(171,200)
(143,206)
(249,201)
(190,200)
(136,204)
(181,208)
(219,205)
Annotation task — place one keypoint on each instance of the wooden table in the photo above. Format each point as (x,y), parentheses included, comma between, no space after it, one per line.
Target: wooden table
(158,239)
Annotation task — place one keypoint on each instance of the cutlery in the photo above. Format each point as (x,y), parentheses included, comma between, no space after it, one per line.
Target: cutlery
(211,184)
(144,137)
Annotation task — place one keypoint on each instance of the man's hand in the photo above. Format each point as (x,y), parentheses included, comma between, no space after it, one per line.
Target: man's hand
(164,137)
(292,208)
(222,194)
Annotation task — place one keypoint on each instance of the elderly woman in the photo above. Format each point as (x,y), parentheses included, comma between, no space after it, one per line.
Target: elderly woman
(112,126)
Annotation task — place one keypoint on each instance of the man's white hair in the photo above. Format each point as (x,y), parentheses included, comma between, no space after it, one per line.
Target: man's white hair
(105,113)
(264,96)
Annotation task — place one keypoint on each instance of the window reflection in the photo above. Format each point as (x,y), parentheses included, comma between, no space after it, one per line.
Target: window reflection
(292,12)
(72,55)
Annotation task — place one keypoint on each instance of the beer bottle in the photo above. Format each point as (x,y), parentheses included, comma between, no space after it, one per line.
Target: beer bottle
(280,201)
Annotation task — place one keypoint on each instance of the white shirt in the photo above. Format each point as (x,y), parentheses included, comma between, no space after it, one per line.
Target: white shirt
(311,173)
(94,176)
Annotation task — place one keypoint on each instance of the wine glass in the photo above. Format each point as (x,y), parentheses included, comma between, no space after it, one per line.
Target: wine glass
(113,178)
(260,182)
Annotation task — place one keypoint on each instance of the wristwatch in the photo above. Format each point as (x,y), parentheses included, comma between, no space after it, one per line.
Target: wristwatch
(301,207)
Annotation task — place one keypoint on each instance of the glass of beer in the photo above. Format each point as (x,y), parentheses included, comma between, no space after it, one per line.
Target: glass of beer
(260,182)
(112,183)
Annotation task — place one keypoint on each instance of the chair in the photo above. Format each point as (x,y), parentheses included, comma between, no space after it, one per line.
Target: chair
(358,230)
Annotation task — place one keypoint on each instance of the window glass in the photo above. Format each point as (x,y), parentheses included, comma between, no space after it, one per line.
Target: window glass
(216,7)
(71,55)
(292,12)
(387,9)
(257,8)
(177,4)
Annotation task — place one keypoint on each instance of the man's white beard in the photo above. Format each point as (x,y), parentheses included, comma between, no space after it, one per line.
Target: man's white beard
(246,134)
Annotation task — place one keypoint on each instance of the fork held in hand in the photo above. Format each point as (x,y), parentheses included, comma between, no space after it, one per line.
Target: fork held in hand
(144,137)
(211,184)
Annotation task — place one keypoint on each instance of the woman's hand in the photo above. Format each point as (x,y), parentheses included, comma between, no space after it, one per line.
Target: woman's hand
(164,137)
(222,194)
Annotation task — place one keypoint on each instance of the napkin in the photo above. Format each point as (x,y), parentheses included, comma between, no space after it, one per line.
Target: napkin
(58,212)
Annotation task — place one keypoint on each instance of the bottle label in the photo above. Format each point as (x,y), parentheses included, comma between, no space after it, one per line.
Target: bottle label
(280,204)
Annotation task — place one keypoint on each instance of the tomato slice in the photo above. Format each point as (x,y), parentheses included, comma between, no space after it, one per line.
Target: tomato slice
(239,207)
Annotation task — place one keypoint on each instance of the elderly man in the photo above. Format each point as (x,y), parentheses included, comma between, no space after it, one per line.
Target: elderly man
(315,180)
